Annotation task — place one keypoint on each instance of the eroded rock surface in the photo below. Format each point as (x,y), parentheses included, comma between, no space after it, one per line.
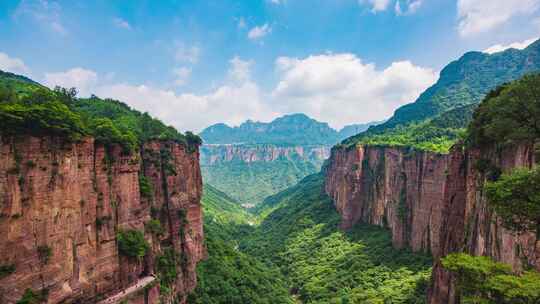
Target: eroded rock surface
(67,201)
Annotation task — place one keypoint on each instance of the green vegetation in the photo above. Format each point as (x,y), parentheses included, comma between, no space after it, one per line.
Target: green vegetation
(154,226)
(166,266)
(6,270)
(466,82)
(461,87)
(508,115)
(228,275)
(131,243)
(29,108)
(145,187)
(250,183)
(32,297)
(516,199)
(437,134)
(482,280)
(324,264)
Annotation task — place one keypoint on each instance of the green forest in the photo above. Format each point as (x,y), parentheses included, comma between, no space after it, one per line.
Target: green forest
(29,108)
(298,248)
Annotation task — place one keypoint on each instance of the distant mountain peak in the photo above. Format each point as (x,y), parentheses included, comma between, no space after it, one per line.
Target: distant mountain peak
(290,129)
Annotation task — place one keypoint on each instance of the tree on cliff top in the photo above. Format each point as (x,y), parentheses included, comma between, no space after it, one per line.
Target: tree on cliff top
(508,114)
(27,108)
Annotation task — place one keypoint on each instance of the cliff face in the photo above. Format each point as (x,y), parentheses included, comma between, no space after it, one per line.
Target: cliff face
(390,187)
(212,154)
(430,202)
(467,223)
(62,204)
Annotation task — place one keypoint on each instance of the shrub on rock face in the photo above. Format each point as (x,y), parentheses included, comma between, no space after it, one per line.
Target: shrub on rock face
(32,297)
(515,197)
(131,243)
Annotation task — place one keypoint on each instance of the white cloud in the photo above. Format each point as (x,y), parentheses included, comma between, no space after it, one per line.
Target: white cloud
(259,32)
(341,89)
(411,6)
(277,1)
(13,65)
(336,88)
(477,16)
(376,5)
(189,54)
(182,75)
(516,45)
(45,12)
(84,80)
(121,23)
(240,70)
(229,104)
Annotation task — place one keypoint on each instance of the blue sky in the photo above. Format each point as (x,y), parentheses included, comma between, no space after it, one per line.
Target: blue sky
(194,63)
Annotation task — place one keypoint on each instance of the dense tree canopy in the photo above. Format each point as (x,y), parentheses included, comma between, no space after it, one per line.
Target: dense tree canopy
(29,108)
(480,280)
(509,114)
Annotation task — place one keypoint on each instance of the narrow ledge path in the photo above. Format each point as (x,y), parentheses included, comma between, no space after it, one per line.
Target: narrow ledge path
(143,282)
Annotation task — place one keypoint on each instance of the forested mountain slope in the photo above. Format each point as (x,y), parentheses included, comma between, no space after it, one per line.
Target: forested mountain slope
(326,265)
(462,84)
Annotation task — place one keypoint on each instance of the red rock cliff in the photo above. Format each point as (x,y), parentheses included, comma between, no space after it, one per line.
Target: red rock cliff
(430,202)
(67,201)
(467,223)
(391,187)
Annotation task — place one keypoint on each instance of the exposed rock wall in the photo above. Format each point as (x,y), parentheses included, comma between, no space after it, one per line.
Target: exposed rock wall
(72,198)
(212,154)
(391,187)
(430,202)
(469,226)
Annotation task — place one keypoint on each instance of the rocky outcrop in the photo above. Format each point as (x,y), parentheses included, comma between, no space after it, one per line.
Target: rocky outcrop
(398,188)
(431,202)
(222,153)
(63,203)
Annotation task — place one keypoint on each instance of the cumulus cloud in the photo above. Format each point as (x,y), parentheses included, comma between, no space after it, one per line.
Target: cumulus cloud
(228,103)
(516,45)
(83,79)
(477,16)
(182,75)
(13,65)
(231,103)
(376,5)
(336,88)
(259,32)
(121,23)
(341,89)
(45,12)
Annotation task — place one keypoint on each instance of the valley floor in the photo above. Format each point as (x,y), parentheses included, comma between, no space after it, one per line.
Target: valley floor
(297,254)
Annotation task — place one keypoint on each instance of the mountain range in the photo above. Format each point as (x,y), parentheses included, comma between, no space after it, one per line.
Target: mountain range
(292,129)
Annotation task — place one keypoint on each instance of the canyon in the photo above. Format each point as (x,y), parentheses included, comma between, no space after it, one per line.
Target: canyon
(431,202)
(63,205)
